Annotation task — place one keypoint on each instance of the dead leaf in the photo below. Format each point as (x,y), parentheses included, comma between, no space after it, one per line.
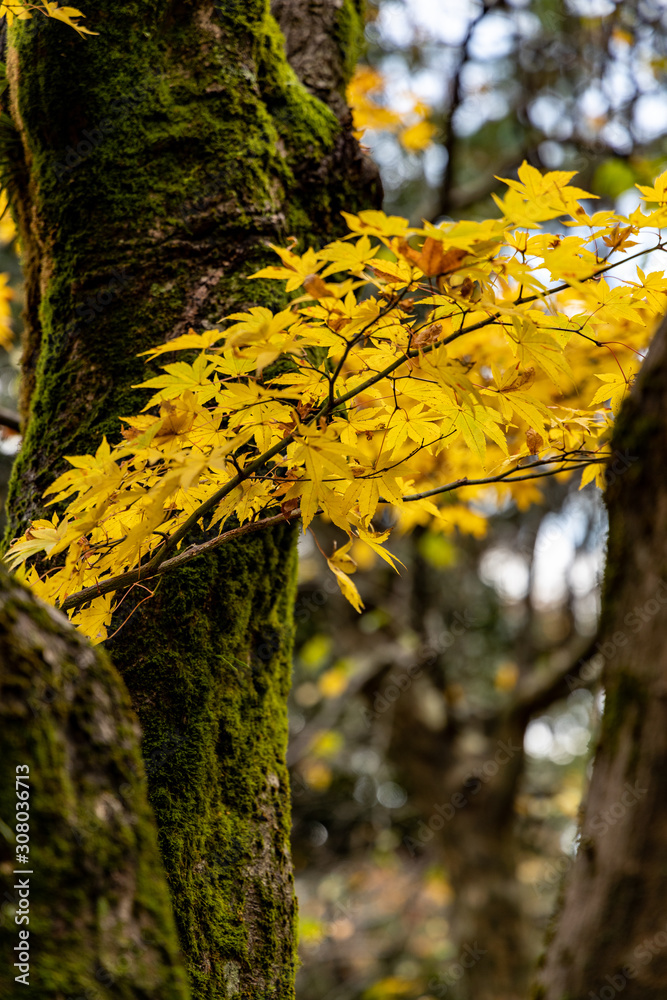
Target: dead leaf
(316,287)
(524,380)
(534,441)
(427,336)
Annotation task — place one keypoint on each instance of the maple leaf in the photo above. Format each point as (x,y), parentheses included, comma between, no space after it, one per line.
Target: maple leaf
(180,377)
(94,620)
(295,268)
(432,259)
(42,536)
(352,257)
(614,389)
(375,223)
(14,10)
(656,193)
(187,341)
(356,417)
(534,440)
(347,587)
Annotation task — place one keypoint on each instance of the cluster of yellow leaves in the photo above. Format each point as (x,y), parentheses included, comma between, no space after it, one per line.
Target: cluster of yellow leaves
(370,110)
(409,361)
(22,11)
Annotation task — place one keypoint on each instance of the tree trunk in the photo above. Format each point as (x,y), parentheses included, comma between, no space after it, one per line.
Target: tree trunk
(465,769)
(150,168)
(465,780)
(90,890)
(611,934)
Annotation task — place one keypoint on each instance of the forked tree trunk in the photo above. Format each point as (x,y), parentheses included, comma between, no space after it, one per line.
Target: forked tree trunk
(85,906)
(611,934)
(150,167)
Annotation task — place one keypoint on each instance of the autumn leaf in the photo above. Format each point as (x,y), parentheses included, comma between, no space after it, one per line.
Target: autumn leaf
(534,441)
(341,565)
(432,259)
(390,390)
(427,335)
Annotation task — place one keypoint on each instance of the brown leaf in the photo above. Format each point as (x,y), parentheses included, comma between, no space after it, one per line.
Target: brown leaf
(130,433)
(452,259)
(431,260)
(407,251)
(303,409)
(427,336)
(287,507)
(534,441)
(316,287)
(524,380)
(337,324)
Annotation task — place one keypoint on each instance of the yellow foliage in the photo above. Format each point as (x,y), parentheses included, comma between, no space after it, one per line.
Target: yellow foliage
(6,296)
(507,674)
(414,362)
(367,99)
(22,11)
(7,227)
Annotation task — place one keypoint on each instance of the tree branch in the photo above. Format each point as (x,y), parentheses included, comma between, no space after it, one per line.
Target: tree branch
(149,571)
(142,573)
(539,690)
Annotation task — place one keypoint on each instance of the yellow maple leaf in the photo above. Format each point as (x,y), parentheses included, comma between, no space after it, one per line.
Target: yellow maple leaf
(95,619)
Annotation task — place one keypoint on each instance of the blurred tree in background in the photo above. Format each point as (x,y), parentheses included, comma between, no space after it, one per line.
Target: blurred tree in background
(573,86)
(441,743)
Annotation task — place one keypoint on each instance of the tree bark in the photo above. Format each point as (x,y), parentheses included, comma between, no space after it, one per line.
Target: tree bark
(97,911)
(611,934)
(150,168)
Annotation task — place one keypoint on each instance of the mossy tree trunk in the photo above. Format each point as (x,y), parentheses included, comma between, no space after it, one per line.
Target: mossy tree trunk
(150,167)
(611,934)
(85,906)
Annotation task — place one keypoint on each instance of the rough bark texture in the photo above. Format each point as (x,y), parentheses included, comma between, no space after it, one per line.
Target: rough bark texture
(323,45)
(611,935)
(149,169)
(99,917)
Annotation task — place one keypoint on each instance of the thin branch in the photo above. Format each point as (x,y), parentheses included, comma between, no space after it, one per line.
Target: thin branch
(141,573)
(148,572)
(455,100)
(537,691)
(506,477)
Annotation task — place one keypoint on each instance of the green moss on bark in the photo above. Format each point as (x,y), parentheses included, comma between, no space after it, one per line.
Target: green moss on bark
(215,756)
(99,917)
(158,161)
(350,35)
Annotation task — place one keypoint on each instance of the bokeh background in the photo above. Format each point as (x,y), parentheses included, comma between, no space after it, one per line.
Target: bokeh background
(405,891)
